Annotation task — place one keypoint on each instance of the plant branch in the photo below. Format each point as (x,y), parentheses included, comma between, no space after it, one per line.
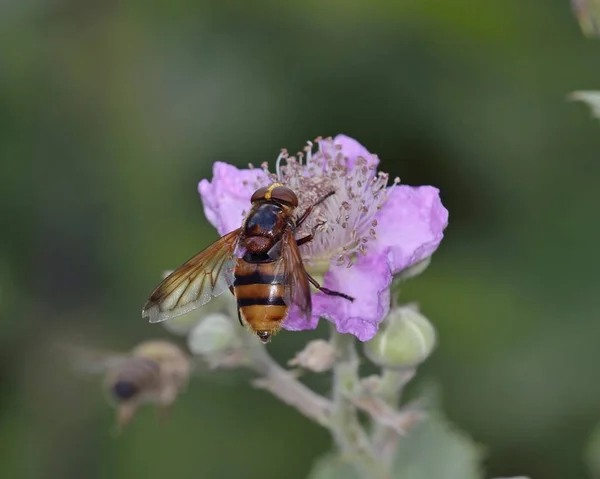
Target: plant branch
(382,412)
(385,438)
(285,386)
(347,431)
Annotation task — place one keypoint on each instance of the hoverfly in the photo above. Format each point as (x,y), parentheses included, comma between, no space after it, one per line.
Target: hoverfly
(154,372)
(266,278)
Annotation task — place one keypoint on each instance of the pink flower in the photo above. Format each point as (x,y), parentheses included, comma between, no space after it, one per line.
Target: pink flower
(366,233)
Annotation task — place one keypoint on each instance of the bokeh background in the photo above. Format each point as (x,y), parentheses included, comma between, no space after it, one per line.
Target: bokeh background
(110,114)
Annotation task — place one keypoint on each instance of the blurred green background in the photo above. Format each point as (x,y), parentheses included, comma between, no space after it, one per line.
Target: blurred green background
(110,114)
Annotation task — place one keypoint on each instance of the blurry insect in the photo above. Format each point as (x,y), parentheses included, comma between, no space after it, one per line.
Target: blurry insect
(266,280)
(154,372)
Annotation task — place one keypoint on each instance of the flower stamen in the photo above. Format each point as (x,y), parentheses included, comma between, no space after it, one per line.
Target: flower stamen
(360,193)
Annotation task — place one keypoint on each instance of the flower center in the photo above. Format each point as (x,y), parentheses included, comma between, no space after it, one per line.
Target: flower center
(344,224)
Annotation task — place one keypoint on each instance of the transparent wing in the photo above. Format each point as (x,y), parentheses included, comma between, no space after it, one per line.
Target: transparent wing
(297,287)
(91,361)
(196,282)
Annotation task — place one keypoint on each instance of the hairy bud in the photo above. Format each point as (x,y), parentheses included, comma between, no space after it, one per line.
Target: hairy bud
(406,339)
(215,333)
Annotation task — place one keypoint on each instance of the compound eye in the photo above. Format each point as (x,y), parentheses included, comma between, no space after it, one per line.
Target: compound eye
(259,194)
(285,195)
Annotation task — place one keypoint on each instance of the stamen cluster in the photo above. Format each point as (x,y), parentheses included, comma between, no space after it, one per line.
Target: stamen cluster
(345,223)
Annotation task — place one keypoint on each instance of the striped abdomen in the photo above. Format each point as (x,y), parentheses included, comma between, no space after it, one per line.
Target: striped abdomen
(259,294)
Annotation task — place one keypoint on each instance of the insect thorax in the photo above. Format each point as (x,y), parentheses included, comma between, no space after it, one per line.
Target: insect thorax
(264,226)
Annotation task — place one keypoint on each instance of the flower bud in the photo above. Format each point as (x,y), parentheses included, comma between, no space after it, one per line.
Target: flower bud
(405,340)
(183,324)
(215,333)
(414,270)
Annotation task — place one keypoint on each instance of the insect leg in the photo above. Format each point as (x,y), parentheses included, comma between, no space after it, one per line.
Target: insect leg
(306,239)
(326,290)
(309,237)
(304,215)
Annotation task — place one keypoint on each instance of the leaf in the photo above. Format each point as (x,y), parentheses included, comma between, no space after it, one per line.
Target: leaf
(592,453)
(435,449)
(591,98)
(334,466)
(588,16)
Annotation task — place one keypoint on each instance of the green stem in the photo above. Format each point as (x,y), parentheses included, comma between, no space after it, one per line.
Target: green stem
(347,431)
(349,435)
(385,439)
(392,384)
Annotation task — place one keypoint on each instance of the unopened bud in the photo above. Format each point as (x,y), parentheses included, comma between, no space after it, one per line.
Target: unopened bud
(414,270)
(183,324)
(405,340)
(215,333)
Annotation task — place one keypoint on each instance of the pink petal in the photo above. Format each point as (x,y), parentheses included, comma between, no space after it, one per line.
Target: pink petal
(352,150)
(227,197)
(295,323)
(410,225)
(368,281)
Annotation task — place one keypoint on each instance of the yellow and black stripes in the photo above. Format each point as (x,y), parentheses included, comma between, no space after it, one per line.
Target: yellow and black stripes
(259,291)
